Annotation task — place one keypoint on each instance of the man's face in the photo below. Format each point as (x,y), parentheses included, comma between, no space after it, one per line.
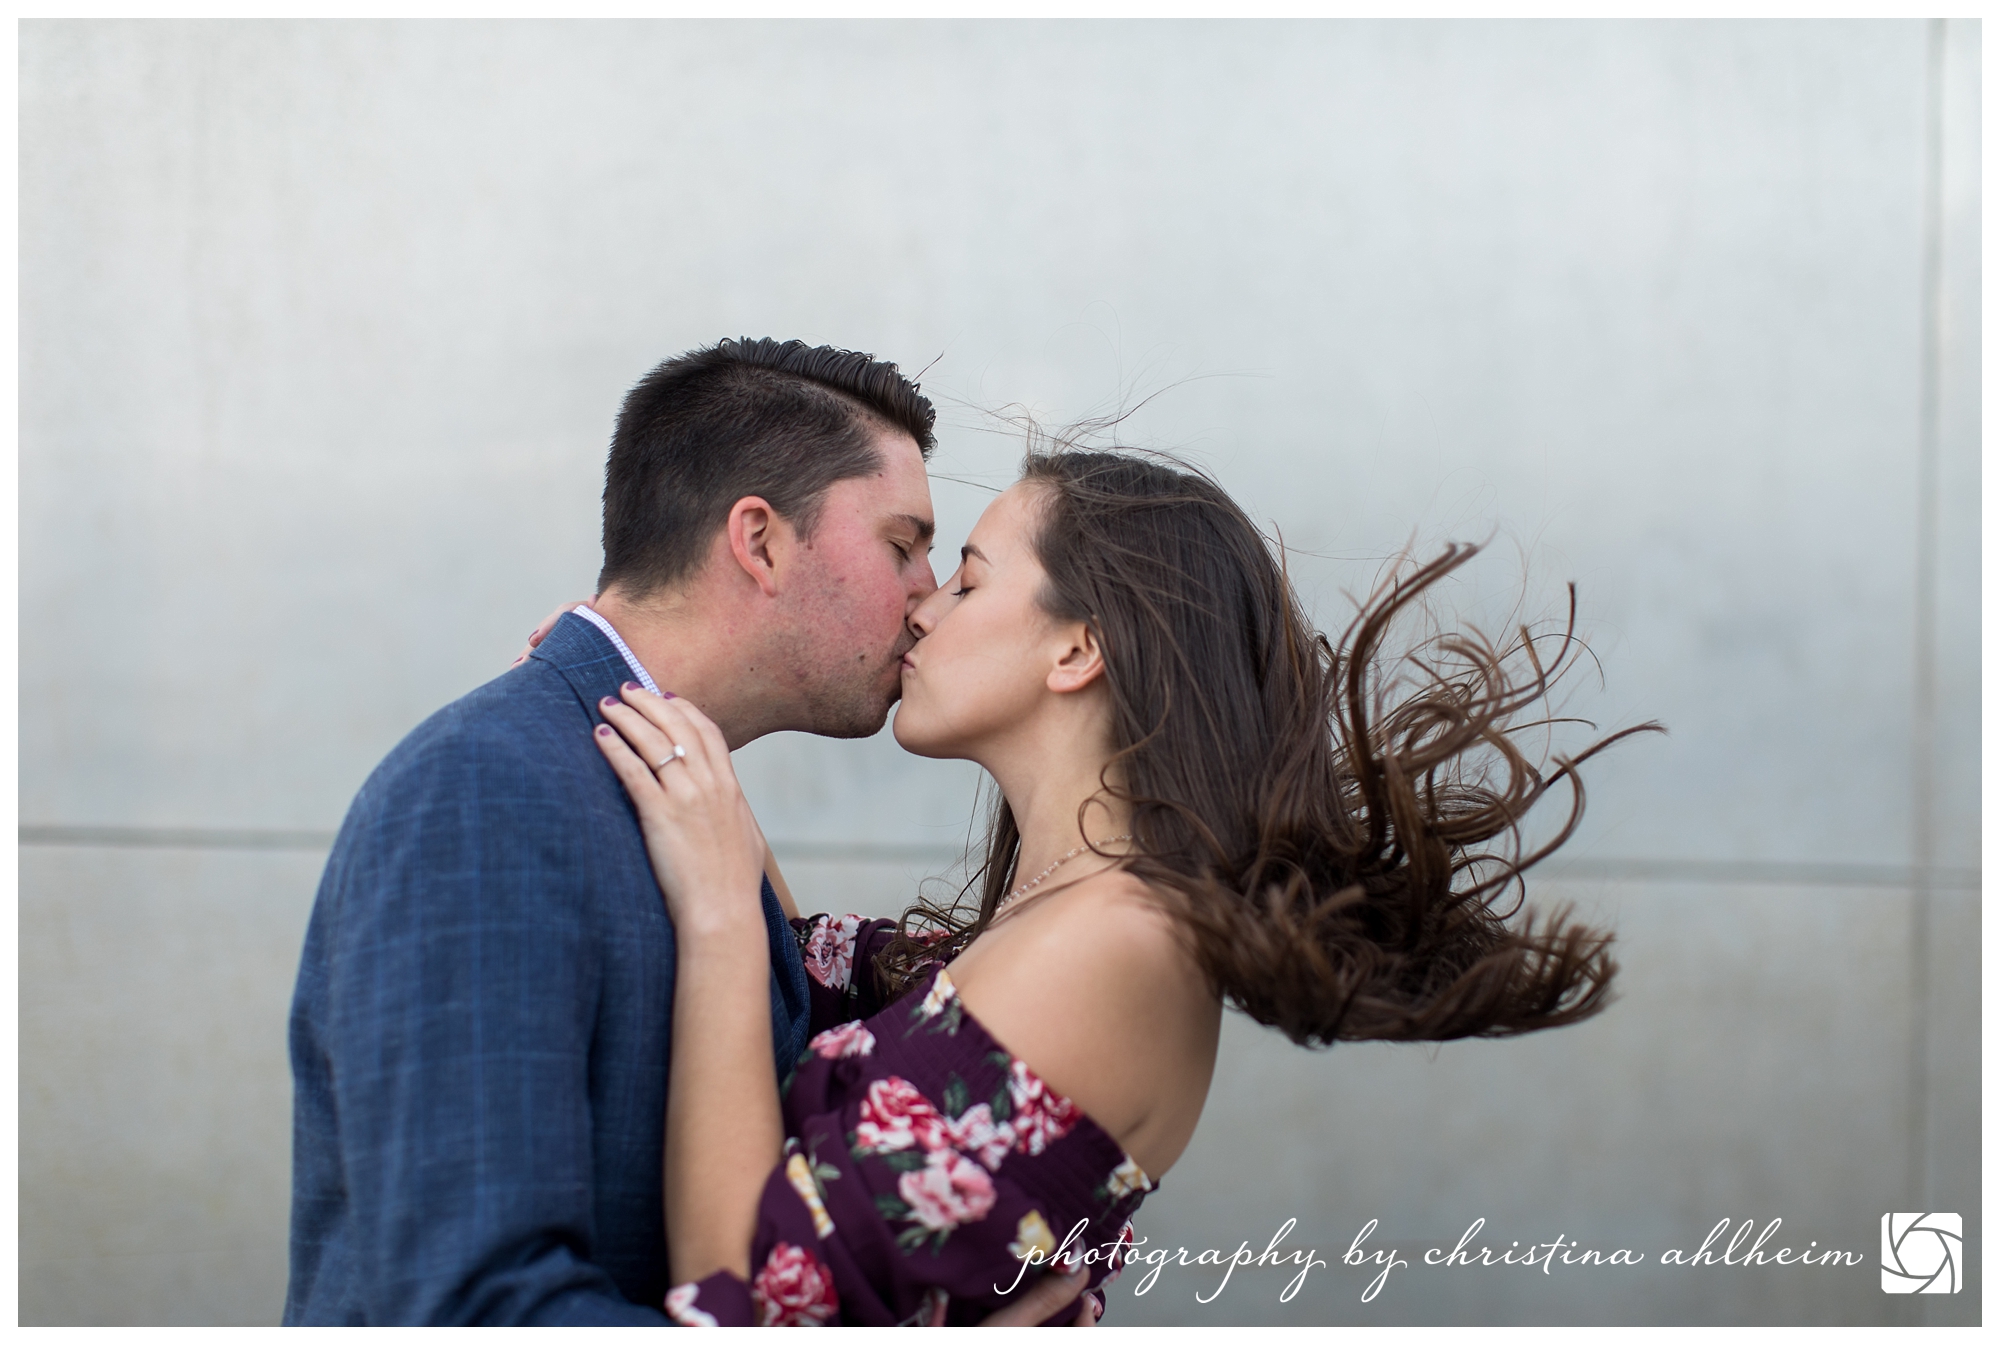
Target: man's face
(865,570)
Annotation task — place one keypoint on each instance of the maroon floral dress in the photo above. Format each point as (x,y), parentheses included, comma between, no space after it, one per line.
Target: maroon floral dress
(929,1176)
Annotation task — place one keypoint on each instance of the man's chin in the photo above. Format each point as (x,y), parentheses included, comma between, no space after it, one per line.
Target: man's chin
(854,721)
(852,729)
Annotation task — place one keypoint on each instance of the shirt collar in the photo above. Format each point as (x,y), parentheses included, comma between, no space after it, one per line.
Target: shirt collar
(645,679)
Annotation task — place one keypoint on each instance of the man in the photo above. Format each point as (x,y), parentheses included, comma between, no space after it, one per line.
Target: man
(484,1007)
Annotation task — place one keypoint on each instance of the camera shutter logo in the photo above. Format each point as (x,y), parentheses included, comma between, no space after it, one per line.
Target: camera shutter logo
(1922,1253)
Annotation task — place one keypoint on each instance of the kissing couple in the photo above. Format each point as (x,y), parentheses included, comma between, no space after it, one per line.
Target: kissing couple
(564,1048)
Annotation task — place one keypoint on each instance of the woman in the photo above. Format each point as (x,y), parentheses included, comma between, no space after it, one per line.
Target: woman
(1201,801)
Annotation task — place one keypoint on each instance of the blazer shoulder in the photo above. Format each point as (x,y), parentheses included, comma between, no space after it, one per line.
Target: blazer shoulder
(507,717)
(503,786)
(521,739)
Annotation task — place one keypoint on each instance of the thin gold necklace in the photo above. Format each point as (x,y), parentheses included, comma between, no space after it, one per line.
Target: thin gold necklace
(1036,881)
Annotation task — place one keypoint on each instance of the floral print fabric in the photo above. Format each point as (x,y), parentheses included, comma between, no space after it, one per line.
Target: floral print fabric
(839,956)
(923,1165)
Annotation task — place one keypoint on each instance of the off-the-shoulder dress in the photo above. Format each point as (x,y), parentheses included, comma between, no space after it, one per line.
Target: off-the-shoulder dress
(929,1175)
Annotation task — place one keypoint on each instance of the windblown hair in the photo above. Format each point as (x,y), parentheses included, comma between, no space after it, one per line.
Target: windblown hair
(783,420)
(1334,836)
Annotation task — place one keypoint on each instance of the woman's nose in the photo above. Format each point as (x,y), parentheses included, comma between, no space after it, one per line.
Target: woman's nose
(925,616)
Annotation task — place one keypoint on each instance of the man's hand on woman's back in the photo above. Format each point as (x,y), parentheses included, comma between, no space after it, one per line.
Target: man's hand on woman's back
(1047,1296)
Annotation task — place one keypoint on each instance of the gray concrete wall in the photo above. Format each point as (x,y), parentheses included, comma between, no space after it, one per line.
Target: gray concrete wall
(323,326)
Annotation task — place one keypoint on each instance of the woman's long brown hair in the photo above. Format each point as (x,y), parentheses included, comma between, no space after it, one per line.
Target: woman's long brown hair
(1334,829)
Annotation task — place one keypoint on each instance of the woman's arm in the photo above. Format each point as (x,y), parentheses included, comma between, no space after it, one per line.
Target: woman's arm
(723,1134)
(723,1129)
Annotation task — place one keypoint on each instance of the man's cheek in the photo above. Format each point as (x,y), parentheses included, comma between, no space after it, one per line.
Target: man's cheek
(885,615)
(866,621)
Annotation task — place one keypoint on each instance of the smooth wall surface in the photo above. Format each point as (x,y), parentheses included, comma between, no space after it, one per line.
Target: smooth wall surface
(324,324)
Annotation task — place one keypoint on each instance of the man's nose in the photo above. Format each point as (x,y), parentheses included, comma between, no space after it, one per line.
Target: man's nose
(923,583)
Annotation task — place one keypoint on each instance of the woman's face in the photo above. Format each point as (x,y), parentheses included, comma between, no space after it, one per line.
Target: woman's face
(985,646)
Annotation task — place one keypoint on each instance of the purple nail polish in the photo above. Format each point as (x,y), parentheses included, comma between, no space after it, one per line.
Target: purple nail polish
(666,695)
(631,686)
(608,701)
(604,730)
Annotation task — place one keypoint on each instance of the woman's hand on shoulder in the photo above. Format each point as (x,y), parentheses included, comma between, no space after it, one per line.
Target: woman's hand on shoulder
(541,631)
(705,846)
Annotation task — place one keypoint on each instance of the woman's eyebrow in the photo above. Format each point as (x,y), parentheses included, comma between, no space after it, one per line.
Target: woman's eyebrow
(970,550)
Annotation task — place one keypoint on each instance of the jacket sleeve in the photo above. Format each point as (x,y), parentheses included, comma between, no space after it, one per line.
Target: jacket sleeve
(461,988)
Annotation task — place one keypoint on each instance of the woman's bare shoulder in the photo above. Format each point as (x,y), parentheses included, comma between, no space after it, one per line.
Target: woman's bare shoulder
(1095,946)
(1115,914)
(1099,995)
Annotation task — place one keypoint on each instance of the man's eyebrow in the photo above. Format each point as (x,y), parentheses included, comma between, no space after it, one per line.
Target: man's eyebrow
(922,527)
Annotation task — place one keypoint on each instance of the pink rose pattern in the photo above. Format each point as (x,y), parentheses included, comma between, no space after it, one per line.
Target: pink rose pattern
(681,1309)
(829,953)
(1041,1115)
(896,1115)
(948,1190)
(844,1042)
(794,1289)
(977,1133)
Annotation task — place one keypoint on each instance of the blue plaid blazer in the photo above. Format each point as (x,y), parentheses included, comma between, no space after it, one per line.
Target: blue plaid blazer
(480,1033)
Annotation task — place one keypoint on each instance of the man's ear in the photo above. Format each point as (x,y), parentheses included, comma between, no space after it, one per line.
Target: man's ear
(761,541)
(1081,664)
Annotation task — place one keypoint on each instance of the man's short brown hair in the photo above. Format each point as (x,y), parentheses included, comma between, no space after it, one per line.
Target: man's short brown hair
(779,420)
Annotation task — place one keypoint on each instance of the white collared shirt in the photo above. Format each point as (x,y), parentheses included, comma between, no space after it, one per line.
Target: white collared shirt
(639,673)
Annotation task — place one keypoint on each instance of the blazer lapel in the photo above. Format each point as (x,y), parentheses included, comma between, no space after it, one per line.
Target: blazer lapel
(594,669)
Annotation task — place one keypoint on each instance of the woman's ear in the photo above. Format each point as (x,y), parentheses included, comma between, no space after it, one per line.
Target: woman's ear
(1082,662)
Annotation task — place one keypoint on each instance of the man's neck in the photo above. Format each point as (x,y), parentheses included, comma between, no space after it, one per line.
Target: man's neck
(691,653)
